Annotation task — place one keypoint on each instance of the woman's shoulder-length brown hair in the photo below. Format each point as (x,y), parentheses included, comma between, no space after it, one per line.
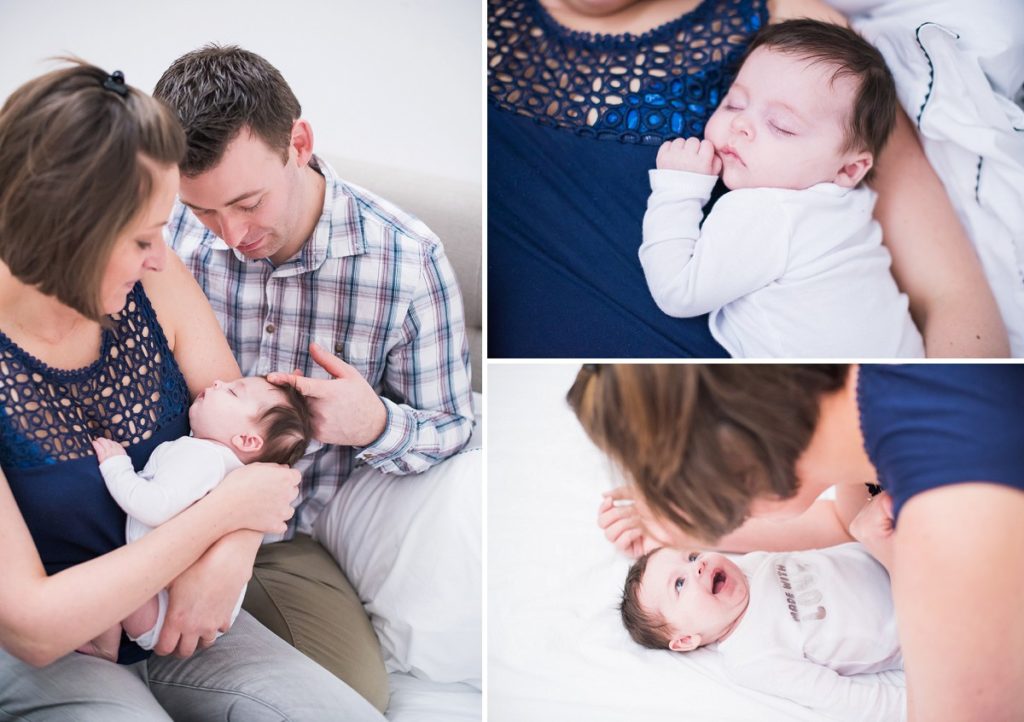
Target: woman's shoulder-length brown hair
(701,442)
(73,175)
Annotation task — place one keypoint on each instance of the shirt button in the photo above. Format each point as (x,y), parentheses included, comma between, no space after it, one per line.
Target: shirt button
(338,347)
(270,328)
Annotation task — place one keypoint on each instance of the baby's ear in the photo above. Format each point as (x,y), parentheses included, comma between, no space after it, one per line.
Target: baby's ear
(247,443)
(684,643)
(854,169)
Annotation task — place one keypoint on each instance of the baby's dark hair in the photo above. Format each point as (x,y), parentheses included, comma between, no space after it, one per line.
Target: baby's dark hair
(645,627)
(874,106)
(287,428)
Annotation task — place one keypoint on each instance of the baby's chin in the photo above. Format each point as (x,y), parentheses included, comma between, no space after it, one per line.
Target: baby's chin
(735,181)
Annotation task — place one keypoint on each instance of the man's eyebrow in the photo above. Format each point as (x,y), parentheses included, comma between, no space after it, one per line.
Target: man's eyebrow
(233,201)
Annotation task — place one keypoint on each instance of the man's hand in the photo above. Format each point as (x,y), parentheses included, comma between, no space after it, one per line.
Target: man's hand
(346,409)
(873,527)
(693,155)
(106,449)
(202,598)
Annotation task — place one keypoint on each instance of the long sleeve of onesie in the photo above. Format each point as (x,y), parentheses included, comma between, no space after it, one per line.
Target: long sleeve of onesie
(693,269)
(178,474)
(842,698)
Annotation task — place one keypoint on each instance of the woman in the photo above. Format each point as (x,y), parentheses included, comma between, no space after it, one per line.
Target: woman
(707,447)
(103,334)
(582,93)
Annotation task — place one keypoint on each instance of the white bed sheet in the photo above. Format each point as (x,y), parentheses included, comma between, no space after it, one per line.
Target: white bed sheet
(420,700)
(556,647)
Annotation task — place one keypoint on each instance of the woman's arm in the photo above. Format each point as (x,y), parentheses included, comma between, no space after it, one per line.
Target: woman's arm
(825,523)
(45,617)
(958,602)
(932,258)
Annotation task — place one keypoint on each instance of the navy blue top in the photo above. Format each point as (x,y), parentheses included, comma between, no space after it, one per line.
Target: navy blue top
(134,393)
(574,124)
(929,425)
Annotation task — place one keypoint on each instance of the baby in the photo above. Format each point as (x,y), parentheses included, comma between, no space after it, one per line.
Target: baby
(790,263)
(233,423)
(800,625)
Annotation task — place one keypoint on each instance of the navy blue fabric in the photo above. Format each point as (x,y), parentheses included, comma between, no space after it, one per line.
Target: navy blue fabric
(566,196)
(133,393)
(929,425)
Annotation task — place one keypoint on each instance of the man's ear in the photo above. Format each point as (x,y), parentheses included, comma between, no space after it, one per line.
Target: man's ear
(854,170)
(302,142)
(684,643)
(247,442)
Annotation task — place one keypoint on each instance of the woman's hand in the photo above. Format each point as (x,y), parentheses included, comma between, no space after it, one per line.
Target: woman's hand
(873,527)
(201,600)
(628,525)
(259,496)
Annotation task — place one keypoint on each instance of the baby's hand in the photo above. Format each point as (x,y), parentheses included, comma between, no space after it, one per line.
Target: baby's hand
(693,155)
(107,449)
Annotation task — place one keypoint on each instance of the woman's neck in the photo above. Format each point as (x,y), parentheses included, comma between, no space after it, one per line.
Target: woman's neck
(616,18)
(42,325)
(836,454)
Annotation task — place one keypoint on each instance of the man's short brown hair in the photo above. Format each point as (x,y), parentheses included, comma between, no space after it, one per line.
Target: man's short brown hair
(287,428)
(645,627)
(873,116)
(73,175)
(217,91)
(701,442)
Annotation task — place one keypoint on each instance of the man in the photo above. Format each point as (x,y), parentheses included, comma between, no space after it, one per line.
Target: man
(301,268)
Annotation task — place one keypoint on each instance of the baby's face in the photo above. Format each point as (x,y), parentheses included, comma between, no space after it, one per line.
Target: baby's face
(232,407)
(782,124)
(701,595)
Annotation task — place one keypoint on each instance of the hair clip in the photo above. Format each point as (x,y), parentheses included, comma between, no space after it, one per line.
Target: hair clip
(115,82)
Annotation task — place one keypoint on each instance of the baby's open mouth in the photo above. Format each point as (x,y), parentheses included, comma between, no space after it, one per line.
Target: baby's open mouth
(718,581)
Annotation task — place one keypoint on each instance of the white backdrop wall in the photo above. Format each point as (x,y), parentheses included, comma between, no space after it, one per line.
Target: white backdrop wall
(397,82)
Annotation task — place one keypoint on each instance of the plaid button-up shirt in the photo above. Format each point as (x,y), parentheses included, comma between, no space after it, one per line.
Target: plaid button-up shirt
(374,286)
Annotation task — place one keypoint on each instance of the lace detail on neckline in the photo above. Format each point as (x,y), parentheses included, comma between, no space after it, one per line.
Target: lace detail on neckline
(48,415)
(632,88)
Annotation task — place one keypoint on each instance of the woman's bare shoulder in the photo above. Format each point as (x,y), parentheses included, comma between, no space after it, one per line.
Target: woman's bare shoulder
(190,326)
(171,291)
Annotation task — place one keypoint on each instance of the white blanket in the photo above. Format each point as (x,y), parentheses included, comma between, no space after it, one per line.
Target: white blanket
(957,66)
(556,647)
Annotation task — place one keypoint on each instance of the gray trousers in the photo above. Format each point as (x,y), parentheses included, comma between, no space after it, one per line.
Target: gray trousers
(249,674)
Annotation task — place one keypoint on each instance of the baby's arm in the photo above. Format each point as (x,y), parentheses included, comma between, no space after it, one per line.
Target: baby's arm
(837,697)
(173,489)
(690,270)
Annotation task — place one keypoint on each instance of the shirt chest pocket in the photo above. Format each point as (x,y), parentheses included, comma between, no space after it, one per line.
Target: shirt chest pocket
(357,354)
